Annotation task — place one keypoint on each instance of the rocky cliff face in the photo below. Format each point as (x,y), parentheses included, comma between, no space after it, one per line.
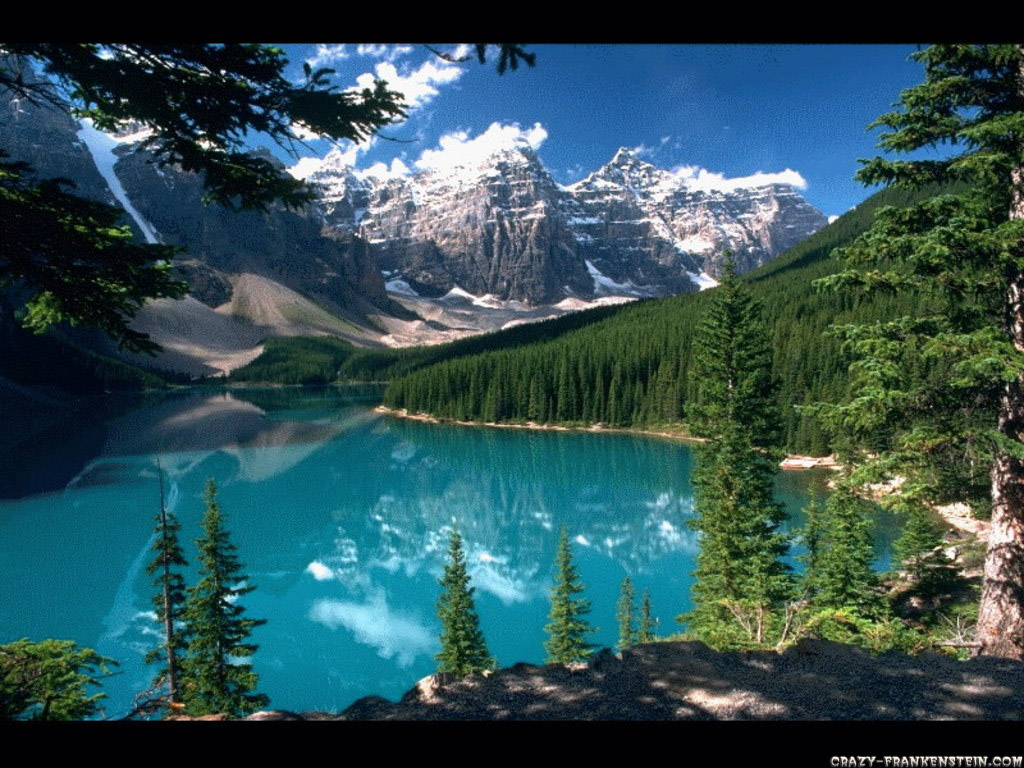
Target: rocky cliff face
(503,227)
(251,275)
(464,248)
(638,223)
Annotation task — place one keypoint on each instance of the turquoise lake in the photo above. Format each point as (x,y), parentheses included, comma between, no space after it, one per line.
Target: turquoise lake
(341,518)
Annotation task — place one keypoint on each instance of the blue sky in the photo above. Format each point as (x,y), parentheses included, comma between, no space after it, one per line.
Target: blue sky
(708,111)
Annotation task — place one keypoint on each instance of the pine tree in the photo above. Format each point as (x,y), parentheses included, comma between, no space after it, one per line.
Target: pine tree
(917,547)
(645,633)
(214,679)
(840,554)
(626,615)
(568,629)
(463,649)
(741,580)
(169,600)
(960,254)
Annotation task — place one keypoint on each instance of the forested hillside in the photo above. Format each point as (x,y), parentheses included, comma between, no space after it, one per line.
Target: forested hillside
(632,367)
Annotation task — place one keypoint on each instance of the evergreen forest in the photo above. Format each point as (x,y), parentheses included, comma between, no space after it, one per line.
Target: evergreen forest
(630,366)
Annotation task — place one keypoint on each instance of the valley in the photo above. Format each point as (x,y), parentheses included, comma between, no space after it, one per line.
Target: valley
(269,296)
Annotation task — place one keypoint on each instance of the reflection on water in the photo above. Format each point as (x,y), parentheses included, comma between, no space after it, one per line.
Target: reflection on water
(341,517)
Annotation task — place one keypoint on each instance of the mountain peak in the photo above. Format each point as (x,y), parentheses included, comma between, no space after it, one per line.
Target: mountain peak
(624,155)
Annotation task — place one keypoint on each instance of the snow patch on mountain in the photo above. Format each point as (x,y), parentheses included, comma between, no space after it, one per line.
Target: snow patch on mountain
(101,146)
(604,284)
(702,280)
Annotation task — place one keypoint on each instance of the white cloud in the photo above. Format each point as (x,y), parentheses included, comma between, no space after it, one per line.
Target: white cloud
(336,159)
(643,150)
(319,571)
(383,172)
(458,149)
(383,51)
(375,624)
(419,85)
(832,218)
(703,180)
(328,55)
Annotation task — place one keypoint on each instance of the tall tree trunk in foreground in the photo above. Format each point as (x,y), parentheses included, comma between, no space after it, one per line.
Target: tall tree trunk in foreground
(1001,614)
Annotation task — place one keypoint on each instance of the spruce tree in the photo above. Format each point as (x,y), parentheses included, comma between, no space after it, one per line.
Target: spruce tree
(169,600)
(840,553)
(463,649)
(645,633)
(626,614)
(568,629)
(917,546)
(959,254)
(214,677)
(741,580)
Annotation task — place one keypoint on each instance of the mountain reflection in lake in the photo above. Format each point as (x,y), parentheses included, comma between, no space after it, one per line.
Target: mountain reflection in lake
(341,518)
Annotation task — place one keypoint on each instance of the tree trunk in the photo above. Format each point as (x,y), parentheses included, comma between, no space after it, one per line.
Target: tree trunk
(1001,614)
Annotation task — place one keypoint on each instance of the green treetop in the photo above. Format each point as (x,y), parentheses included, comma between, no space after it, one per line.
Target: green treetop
(50,680)
(961,255)
(567,629)
(626,614)
(169,600)
(463,648)
(741,581)
(214,676)
(645,633)
(839,553)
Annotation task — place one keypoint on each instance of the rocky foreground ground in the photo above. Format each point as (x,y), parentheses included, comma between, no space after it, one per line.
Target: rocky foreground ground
(814,680)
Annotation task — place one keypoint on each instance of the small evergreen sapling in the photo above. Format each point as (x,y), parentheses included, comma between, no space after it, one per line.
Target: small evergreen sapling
(463,648)
(645,633)
(169,600)
(568,629)
(626,615)
(215,678)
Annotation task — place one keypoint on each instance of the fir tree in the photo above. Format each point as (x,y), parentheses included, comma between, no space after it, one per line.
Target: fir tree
(214,677)
(840,553)
(463,649)
(741,581)
(645,633)
(626,615)
(50,680)
(169,600)
(568,629)
(918,545)
(959,255)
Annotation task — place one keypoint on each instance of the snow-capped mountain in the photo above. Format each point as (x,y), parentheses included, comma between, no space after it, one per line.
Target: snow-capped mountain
(501,226)
(470,246)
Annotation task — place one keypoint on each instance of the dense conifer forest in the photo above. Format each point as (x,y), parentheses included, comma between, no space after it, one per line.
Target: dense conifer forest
(629,366)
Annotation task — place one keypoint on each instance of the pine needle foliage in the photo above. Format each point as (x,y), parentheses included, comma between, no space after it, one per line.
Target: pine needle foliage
(567,629)
(169,600)
(626,615)
(216,677)
(742,582)
(463,648)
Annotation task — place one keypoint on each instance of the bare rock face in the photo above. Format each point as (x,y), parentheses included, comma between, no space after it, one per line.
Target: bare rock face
(45,136)
(492,228)
(297,276)
(638,223)
(502,226)
(285,246)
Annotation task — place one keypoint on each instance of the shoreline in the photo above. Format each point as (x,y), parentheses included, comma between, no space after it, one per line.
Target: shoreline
(792,462)
(955,515)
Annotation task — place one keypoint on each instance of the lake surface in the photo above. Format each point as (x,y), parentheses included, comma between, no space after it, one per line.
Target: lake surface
(341,518)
